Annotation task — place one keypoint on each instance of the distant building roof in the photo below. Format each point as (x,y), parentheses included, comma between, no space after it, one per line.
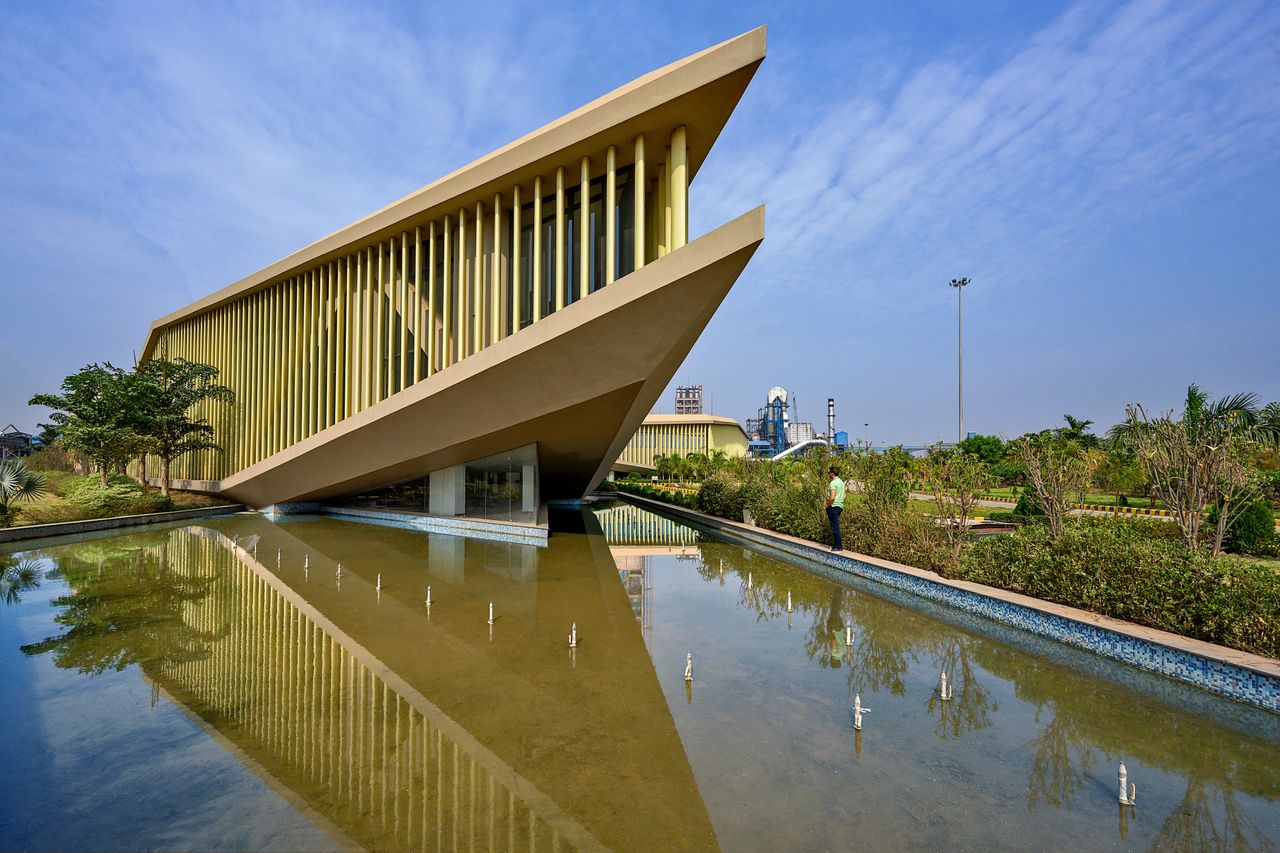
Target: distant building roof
(692,419)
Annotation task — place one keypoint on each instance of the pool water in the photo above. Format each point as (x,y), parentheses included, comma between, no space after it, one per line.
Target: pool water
(221,686)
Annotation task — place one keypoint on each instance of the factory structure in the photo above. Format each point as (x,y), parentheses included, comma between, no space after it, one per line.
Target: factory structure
(775,432)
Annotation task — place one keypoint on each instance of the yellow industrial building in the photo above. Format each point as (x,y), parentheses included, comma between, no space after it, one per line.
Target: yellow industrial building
(493,340)
(663,435)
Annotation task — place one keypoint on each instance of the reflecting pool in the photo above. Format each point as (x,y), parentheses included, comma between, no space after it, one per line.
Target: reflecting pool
(221,685)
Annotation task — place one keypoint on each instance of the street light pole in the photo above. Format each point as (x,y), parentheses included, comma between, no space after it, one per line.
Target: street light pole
(960,284)
(866,429)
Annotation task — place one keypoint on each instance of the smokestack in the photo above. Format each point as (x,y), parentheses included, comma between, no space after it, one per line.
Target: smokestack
(831,419)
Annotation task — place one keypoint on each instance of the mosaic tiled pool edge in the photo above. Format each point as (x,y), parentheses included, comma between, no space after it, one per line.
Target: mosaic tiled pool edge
(1219,677)
(474,528)
(470,527)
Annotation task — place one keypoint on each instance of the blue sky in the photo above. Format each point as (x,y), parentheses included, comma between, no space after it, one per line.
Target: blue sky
(1108,174)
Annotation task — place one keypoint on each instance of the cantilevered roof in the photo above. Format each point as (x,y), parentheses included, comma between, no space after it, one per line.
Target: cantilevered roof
(699,92)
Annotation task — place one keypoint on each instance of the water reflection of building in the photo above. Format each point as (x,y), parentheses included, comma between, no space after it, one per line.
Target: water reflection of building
(624,524)
(639,586)
(320,715)
(634,535)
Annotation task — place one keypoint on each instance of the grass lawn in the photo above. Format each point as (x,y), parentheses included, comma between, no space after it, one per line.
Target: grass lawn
(1008,493)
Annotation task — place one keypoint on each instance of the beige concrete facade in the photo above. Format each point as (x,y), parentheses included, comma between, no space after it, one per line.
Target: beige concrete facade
(524,299)
(664,435)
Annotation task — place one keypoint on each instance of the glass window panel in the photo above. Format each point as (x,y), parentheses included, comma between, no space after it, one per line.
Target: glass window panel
(503,487)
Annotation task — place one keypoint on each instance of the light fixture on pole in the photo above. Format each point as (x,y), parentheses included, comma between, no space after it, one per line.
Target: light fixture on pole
(960,284)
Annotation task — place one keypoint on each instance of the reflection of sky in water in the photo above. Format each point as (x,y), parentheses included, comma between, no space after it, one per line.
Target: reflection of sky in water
(110,762)
(1024,756)
(187,698)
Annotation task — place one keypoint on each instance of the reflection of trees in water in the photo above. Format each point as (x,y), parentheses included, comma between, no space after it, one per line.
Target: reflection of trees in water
(127,601)
(971,707)
(886,640)
(1079,737)
(1062,763)
(1192,824)
(1083,729)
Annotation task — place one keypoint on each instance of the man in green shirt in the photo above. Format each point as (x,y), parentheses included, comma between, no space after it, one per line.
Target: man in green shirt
(835,504)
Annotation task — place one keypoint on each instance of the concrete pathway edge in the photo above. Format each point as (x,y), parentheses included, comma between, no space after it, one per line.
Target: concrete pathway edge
(68,528)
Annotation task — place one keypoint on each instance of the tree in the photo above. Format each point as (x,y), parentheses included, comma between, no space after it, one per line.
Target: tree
(1057,469)
(17,483)
(662,466)
(957,481)
(49,433)
(169,390)
(988,448)
(697,465)
(884,478)
(97,414)
(1077,430)
(1121,473)
(1199,459)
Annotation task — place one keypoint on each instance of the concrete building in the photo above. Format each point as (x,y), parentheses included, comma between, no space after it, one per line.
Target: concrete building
(663,435)
(689,400)
(492,340)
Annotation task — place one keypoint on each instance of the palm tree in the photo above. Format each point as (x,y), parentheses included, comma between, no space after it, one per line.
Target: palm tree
(697,465)
(1077,430)
(17,483)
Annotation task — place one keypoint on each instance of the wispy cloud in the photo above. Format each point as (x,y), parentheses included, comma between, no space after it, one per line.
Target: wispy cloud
(151,153)
(1105,113)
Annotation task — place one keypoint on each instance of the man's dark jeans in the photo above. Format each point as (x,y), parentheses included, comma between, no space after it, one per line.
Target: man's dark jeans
(833,515)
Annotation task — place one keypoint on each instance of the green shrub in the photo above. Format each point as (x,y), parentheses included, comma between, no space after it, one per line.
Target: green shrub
(721,494)
(1027,507)
(1254,531)
(1269,483)
(903,537)
(1116,568)
(54,458)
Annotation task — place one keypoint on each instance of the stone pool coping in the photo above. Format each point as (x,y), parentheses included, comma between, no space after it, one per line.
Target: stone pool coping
(67,528)
(1242,676)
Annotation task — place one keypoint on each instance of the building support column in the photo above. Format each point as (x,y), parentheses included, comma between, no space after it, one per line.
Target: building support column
(446,331)
(679,194)
(560,247)
(463,323)
(382,347)
(447,491)
(662,208)
(344,338)
(610,219)
(478,302)
(538,249)
(419,304)
(402,306)
(639,186)
(499,303)
(584,228)
(366,328)
(517,290)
